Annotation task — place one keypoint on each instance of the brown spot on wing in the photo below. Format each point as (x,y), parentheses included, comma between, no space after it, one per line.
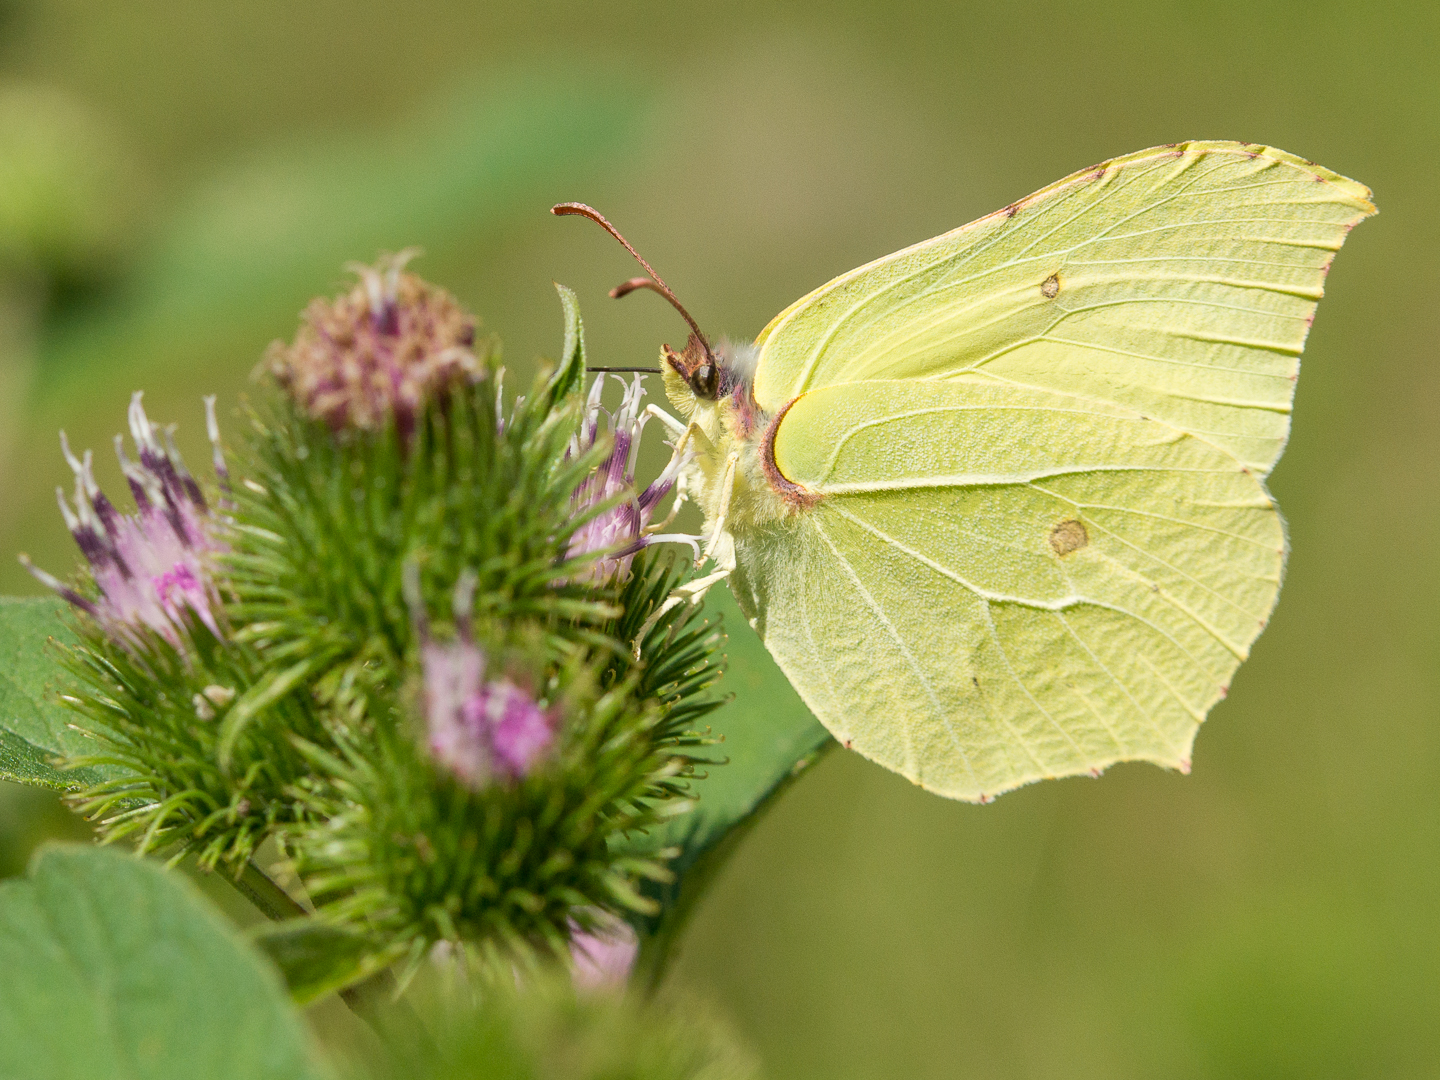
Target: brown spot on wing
(1050,287)
(1068,536)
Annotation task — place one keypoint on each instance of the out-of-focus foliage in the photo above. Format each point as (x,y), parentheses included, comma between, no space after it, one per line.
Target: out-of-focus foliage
(69,193)
(1276,913)
(116,968)
(27,817)
(549,1031)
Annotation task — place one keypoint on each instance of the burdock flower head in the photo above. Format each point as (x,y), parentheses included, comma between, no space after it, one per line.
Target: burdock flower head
(384,349)
(151,567)
(618,533)
(480,729)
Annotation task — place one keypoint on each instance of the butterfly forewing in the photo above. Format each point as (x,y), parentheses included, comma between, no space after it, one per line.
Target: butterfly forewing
(1179,281)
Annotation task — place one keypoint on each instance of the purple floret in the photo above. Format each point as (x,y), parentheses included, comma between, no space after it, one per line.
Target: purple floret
(152,567)
(481,730)
(620,531)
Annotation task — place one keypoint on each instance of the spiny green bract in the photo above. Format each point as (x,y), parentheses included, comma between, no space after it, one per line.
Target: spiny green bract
(295,707)
(153,710)
(327,521)
(415,856)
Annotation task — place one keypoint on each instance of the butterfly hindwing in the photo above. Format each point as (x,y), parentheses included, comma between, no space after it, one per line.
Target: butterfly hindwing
(1001,584)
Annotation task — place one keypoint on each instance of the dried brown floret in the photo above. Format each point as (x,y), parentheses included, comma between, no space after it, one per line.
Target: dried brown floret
(386,348)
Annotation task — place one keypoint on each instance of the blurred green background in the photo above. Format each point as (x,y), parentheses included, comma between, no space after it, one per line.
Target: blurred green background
(177,177)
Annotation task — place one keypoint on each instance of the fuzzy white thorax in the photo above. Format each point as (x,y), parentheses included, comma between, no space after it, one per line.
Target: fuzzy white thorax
(739,358)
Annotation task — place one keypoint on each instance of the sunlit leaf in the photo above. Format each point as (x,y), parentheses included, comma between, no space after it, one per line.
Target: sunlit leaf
(115,967)
(34,729)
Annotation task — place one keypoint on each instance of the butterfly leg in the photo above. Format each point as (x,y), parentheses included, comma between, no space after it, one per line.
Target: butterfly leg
(720,548)
(682,496)
(692,592)
(722,512)
(680,457)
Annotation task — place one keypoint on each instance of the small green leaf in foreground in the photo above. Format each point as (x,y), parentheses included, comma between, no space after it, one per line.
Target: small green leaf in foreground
(115,967)
(33,723)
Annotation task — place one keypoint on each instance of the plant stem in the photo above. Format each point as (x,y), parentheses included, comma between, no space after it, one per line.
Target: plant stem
(391,1017)
(273,901)
(372,1000)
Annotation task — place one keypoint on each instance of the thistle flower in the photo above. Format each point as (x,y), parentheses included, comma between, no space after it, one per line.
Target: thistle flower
(601,957)
(382,350)
(152,566)
(480,729)
(620,531)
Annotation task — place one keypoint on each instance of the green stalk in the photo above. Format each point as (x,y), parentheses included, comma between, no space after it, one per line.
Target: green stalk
(273,901)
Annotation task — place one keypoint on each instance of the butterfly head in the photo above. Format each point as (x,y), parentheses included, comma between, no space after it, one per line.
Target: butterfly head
(713,381)
(696,366)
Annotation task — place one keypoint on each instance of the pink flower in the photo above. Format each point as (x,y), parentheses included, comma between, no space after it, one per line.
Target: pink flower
(480,729)
(520,732)
(153,566)
(382,351)
(602,958)
(620,531)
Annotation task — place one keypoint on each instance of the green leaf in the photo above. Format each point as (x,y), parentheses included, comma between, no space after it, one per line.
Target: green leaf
(34,725)
(316,957)
(770,738)
(570,371)
(115,967)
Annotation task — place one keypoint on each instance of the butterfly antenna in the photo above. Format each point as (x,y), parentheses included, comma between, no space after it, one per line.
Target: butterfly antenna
(653,282)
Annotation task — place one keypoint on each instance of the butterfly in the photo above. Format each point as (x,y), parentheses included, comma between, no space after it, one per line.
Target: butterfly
(996,502)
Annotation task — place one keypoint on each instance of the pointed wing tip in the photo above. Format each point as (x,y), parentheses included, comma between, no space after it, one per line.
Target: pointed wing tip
(1355,192)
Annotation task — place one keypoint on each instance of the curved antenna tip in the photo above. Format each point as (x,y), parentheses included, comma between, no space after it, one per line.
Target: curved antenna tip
(653,282)
(625,288)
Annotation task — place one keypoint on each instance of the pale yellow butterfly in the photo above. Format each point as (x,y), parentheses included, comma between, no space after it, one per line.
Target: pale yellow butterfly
(996,503)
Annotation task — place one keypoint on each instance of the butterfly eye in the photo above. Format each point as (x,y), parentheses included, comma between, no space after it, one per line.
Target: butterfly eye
(705,381)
